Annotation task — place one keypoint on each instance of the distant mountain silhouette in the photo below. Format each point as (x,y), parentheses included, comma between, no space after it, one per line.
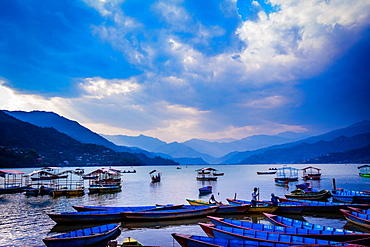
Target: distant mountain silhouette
(303,152)
(51,147)
(75,132)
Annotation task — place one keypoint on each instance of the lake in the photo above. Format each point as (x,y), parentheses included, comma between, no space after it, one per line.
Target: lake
(23,219)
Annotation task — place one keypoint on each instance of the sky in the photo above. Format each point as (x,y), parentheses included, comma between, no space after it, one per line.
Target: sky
(178,70)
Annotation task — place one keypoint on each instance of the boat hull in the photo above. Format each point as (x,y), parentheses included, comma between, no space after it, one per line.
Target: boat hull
(84,237)
(245,234)
(86,217)
(357,217)
(170,214)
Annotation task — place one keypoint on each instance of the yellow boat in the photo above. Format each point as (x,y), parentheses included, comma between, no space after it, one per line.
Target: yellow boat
(80,191)
(129,241)
(199,202)
(259,209)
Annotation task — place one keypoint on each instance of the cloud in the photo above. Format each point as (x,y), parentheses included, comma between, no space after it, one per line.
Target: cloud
(169,69)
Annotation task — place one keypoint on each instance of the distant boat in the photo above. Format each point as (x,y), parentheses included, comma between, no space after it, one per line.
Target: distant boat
(266,172)
(287,174)
(302,186)
(205,190)
(311,173)
(155,176)
(85,237)
(108,180)
(206,174)
(281,182)
(12,182)
(364,171)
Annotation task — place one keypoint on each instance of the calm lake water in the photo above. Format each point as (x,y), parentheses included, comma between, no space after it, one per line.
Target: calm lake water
(23,220)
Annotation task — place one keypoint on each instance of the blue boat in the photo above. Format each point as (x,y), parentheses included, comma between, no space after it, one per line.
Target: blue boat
(185,212)
(351,196)
(246,234)
(323,207)
(86,217)
(127,208)
(205,190)
(94,236)
(302,185)
(340,236)
(357,216)
(200,241)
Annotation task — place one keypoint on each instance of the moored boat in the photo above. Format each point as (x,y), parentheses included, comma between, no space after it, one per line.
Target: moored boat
(223,208)
(306,229)
(311,173)
(351,196)
(289,174)
(322,207)
(302,185)
(266,172)
(185,212)
(259,208)
(84,237)
(249,234)
(205,190)
(127,208)
(87,217)
(104,188)
(282,183)
(186,240)
(313,195)
(364,171)
(12,183)
(357,216)
(129,241)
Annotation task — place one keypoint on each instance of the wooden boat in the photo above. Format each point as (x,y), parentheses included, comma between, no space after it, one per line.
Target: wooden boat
(266,172)
(311,173)
(185,212)
(218,173)
(205,190)
(38,190)
(259,208)
(357,216)
(302,185)
(281,183)
(127,208)
(288,208)
(155,176)
(206,174)
(297,232)
(364,171)
(12,182)
(306,229)
(249,234)
(301,194)
(84,237)
(104,188)
(223,208)
(287,174)
(350,196)
(86,217)
(323,207)
(129,241)
(200,241)
(80,191)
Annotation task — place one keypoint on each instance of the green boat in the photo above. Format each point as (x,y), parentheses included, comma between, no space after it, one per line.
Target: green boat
(364,171)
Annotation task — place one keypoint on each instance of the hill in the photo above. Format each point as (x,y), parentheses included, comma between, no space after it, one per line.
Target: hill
(47,146)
